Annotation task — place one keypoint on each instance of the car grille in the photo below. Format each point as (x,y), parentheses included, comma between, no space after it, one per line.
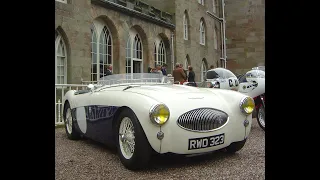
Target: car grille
(202,119)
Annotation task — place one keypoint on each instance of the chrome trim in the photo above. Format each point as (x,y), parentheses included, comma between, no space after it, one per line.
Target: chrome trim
(241,103)
(153,107)
(199,123)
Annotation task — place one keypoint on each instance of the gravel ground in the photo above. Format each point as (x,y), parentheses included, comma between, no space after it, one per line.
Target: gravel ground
(85,159)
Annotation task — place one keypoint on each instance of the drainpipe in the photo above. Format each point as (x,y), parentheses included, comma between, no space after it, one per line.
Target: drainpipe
(223,33)
(222,42)
(172,50)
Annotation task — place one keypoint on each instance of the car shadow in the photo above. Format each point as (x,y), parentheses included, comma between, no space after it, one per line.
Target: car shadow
(168,161)
(164,162)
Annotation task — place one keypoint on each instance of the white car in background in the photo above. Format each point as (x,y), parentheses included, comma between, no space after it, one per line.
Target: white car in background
(252,84)
(221,78)
(144,113)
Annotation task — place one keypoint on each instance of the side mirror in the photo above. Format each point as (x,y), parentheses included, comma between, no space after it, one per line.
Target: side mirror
(91,87)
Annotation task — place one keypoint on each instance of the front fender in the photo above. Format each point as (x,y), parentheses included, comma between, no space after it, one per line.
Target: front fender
(139,104)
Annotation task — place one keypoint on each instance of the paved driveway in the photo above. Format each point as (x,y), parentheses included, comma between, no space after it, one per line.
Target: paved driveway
(85,159)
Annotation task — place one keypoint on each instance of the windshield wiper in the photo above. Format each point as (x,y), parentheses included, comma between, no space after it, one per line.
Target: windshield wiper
(128,87)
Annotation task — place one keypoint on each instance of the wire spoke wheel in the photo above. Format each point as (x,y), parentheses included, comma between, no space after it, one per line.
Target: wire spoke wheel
(126,138)
(68,121)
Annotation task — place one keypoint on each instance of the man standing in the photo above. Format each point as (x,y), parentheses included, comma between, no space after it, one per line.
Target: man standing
(108,70)
(185,72)
(178,74)
(164,69)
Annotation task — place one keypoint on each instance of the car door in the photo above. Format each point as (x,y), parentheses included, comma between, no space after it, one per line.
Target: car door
(100,116)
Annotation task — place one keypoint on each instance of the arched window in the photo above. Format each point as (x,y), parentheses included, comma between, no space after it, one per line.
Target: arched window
(134,53)
(101,50)
(202,33)
(204,67)
(185,26)
(187,62)
(61,60)
(160,54)
(215,6)
(215,38)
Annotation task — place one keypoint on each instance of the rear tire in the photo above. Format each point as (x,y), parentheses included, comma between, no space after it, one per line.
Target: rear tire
(133,147)
(261,117)
(69,123)
(235,146)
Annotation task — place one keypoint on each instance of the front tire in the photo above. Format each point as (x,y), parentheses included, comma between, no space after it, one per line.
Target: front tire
(133,147)
(235,146)
(68,123)
(261,117)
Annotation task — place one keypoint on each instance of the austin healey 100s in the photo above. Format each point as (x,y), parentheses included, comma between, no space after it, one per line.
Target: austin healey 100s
(144,113)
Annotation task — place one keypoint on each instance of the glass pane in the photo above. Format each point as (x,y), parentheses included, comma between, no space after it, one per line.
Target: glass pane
(109,59)
(94,68)
(101,58)
(94,77)
(109,49)
(58,80)
(63,53)
(94,58)
(59,50)
(61,79)
(94,47)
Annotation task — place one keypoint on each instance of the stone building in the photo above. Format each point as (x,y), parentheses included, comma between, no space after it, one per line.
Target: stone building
(132,35)
(245,34)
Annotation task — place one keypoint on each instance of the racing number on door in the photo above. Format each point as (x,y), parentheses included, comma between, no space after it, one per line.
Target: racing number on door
(231,84)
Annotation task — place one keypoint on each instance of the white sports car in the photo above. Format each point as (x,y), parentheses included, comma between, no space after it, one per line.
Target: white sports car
(221,78)
(145,113)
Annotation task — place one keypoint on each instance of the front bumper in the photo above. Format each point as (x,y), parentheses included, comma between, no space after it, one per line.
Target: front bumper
(176,139)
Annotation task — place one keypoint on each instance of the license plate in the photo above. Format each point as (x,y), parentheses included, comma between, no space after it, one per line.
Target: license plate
(205,142)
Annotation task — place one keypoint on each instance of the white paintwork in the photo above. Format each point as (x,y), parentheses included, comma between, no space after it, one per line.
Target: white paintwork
(253,77)
(226,79)
(179,99)
(81,119)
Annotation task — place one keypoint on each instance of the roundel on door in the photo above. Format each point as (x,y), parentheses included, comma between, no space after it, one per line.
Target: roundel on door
(81,119)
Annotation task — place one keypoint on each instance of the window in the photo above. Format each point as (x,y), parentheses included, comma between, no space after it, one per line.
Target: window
(63,1)
(204,67)
(160,55)
(101,50)
(134,53)
(187,63)
(215,6)
(215,39)
(201,2)
(202,32)
(61,60)
(185,26)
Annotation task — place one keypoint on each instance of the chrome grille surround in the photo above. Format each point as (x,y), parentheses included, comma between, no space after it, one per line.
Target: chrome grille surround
(203,120)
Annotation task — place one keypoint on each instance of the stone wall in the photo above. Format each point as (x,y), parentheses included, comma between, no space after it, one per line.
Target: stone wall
(192,46)
(245,34)
(73,21)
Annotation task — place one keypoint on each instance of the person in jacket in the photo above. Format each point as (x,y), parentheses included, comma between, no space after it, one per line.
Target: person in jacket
(191,76)
(178,74)
(164,69)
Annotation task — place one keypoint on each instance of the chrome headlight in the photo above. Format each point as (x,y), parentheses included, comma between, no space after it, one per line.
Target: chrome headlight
(247,105)
(216,84)
(209,84)
(159,114)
